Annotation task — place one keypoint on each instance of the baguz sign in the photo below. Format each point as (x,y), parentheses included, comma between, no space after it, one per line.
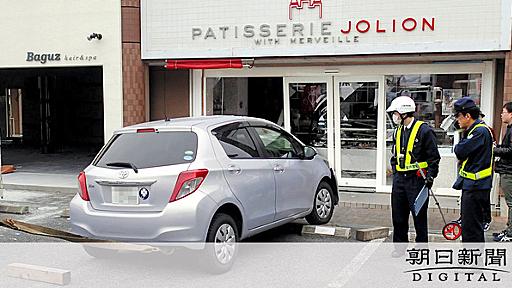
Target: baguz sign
(42,58)
(45,58)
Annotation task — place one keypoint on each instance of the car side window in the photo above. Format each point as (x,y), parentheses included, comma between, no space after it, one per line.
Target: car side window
(278,144)
(236,142)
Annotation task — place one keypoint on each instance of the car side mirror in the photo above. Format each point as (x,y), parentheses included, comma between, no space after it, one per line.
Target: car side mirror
(309,152)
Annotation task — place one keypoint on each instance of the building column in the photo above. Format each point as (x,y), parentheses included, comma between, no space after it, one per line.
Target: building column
(134,90)
(507,95)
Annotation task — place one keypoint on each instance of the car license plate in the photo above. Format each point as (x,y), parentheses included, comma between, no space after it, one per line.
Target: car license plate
(125,195)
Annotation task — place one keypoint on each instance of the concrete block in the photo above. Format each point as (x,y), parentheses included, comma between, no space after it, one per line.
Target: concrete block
(343,232)
(13,209)
(372,233)
(39,273)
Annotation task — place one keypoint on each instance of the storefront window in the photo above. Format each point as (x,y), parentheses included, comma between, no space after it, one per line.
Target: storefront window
(358,117)
(434,95)
(308,114)
(260,97)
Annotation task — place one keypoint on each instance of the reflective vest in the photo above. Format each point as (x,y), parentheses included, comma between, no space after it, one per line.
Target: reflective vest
(410,145)
(480,174)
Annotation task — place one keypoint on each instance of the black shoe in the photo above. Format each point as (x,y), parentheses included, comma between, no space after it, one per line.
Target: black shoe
(498,233)
(506,238)
(486,226)
(498,236)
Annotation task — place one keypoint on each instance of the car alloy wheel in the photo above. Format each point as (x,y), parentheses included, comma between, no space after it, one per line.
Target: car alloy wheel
(323,203)
(225,243)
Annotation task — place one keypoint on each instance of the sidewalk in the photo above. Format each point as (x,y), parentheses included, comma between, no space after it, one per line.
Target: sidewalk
(40,182)
(359,216)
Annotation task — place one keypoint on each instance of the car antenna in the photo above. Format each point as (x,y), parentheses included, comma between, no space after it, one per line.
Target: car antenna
(165,97)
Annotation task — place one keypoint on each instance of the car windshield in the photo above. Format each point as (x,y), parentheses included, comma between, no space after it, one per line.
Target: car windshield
(147,150)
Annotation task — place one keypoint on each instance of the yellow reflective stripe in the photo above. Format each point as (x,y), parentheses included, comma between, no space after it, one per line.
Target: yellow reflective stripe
(480,174)
(410,145)
(476,176)
(414,166)
(398,141)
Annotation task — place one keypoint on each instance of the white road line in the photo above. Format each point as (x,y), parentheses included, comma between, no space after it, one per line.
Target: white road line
(355,265)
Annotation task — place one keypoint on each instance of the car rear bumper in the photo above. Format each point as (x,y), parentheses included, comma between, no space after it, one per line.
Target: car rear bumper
(185,220)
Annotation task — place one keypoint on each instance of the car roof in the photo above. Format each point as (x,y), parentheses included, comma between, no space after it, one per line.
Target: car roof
(202,122)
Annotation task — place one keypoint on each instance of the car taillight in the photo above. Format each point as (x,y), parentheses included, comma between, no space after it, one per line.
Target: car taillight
(83,186)
(187,183)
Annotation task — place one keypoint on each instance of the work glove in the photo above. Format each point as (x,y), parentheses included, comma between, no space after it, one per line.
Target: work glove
(429,182)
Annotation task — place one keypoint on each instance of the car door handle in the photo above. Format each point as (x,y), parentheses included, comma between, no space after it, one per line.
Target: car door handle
(234,169)
(278,168)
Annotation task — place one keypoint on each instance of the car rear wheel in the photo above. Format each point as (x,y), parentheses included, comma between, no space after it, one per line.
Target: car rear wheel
(323,206)
(221,243)
(100,253)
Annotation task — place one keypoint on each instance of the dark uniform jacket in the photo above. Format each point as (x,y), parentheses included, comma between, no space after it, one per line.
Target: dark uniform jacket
(424,149)
(477,148)
(504,151)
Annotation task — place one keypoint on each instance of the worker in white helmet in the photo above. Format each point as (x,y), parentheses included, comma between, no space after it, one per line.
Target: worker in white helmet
(416,137)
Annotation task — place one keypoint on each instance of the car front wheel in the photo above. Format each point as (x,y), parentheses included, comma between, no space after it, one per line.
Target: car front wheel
(323,206)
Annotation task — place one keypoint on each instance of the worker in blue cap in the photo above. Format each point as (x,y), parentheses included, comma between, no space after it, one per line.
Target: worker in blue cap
(475,155)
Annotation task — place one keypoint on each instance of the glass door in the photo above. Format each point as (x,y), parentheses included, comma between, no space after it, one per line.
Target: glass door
(309,112)
(356,110)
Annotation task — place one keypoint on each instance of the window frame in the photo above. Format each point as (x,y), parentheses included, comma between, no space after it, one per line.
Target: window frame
(239,125)
(297,145)
(99,156)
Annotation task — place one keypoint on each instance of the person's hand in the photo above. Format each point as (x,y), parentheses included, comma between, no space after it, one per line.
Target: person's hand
(429,182)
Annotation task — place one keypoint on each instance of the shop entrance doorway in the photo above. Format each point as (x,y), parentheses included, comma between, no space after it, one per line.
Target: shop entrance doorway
(51,119)
(339,117)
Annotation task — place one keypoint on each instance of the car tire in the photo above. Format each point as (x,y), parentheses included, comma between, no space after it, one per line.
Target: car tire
(221,247)
(323,205)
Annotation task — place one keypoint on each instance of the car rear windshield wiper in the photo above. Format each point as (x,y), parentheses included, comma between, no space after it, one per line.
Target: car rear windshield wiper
(124,165)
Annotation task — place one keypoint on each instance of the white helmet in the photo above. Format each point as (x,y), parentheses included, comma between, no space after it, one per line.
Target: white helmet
(402,105)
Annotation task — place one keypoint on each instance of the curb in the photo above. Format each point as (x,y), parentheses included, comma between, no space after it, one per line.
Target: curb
(39,273)
(13,209)
(388,207)
(64,189)
(372,233)
(343,232)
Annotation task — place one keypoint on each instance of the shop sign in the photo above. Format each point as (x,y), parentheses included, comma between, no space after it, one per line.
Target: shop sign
(45,58)
(319,27)
(311,33)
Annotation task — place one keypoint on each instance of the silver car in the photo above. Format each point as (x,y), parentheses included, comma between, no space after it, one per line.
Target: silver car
(204,179)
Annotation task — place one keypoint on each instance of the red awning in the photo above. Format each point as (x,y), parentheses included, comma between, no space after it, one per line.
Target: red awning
(204,64)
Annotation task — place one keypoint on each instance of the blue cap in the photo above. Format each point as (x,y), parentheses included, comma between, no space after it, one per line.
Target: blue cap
(464,104)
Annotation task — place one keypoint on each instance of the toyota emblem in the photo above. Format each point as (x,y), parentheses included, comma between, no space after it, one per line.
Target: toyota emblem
(123,174)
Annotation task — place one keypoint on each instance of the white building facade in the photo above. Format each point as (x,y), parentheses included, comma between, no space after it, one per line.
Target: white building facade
(55,77)
(327,69)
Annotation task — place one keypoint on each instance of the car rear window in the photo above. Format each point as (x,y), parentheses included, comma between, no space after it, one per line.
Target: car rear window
(147,150)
